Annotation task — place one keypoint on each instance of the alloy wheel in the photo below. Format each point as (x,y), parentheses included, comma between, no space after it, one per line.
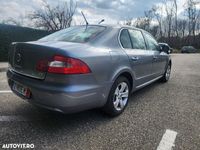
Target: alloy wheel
(168,72)
(121,96)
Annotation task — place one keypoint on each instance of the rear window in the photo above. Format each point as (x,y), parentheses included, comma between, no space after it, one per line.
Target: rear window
(78,34)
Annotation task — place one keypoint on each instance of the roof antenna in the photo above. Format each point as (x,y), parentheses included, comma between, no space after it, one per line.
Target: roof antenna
(84,18)
(101,21)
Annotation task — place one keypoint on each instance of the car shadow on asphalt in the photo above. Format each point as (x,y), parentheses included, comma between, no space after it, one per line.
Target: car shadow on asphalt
(71,127)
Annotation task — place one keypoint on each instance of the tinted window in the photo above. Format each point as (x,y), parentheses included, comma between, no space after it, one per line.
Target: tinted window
(79,34)
(152,43)
(125,39)
(137,39)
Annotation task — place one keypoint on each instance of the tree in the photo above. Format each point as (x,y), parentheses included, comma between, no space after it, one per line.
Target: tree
(169,8)
(181,27)
(148,19)
(156,12)
(176,16)
(128,22)
(193,15)
(53,18)
(143,23)
(154,31)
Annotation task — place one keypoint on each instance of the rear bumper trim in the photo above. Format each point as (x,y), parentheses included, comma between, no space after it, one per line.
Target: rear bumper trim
(66,99)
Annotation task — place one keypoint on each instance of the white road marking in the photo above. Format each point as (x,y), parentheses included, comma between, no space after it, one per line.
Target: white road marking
(13,118)
(168,140)
(18,118)
(6,91)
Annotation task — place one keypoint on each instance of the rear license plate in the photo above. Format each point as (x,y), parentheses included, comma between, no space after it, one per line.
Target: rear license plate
(21,89)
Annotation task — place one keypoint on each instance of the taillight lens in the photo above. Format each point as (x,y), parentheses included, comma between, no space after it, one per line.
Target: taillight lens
(64,65)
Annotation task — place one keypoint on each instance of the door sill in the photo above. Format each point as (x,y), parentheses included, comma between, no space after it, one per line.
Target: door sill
(147,83)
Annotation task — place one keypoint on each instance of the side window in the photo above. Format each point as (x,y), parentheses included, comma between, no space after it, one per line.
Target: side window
(137,39)
(125,39)
(151,42)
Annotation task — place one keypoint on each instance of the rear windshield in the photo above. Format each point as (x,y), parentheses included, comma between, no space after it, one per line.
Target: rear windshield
(78,34)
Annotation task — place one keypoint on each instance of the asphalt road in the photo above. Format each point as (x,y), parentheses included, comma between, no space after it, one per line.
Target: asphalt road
(151,111)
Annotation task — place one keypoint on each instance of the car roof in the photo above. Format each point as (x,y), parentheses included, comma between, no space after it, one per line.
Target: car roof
(187,46)
(115,26)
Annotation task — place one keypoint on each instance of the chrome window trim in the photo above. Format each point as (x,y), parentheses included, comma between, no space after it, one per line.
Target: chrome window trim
(123,28)
(119,34)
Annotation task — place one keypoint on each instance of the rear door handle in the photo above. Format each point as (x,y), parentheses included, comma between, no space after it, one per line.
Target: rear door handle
(134,58)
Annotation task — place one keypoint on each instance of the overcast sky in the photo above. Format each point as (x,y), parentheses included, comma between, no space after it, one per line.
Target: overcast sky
(95,10)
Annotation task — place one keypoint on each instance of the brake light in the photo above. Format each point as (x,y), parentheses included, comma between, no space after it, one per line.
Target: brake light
(67,65)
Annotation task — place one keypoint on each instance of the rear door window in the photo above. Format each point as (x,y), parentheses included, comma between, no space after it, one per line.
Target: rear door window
(137,39)
(125,39)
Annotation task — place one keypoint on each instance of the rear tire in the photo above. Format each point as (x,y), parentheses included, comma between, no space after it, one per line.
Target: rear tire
(167,73)
(118,97)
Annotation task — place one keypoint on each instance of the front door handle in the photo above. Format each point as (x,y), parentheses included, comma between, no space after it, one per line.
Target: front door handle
(134,58)
(155,57)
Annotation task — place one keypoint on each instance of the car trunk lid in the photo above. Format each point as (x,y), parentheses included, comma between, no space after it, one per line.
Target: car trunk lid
(23,58)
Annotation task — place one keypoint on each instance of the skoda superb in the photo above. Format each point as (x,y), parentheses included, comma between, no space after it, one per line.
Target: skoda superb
(85,67)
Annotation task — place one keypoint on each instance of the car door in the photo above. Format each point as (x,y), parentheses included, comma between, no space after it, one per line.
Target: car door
(134,45)
(159,58)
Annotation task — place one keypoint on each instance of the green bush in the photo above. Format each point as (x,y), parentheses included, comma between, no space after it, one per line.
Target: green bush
(10,33)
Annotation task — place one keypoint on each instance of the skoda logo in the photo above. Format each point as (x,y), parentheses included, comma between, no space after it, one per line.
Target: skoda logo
(18,57)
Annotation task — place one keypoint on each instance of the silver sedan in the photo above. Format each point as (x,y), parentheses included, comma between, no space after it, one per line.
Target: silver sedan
(85,67)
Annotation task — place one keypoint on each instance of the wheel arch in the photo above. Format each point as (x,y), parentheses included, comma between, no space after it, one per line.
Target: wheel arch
(126,73)
(168,62)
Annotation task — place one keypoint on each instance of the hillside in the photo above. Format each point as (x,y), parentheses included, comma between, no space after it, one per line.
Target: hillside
(11,33)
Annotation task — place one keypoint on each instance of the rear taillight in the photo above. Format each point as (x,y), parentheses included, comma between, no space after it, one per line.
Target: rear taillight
(64,65)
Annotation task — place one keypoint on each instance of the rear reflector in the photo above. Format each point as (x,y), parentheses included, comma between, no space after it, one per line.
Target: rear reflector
(27,93)
(64,65)
(42,66)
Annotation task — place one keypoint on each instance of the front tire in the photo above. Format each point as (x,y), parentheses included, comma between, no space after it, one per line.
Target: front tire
(167,74)
(118,97)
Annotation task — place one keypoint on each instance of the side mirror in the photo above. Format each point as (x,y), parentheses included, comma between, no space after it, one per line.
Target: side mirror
(164,48)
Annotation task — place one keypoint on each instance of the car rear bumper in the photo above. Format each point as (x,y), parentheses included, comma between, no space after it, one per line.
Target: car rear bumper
(66,99)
